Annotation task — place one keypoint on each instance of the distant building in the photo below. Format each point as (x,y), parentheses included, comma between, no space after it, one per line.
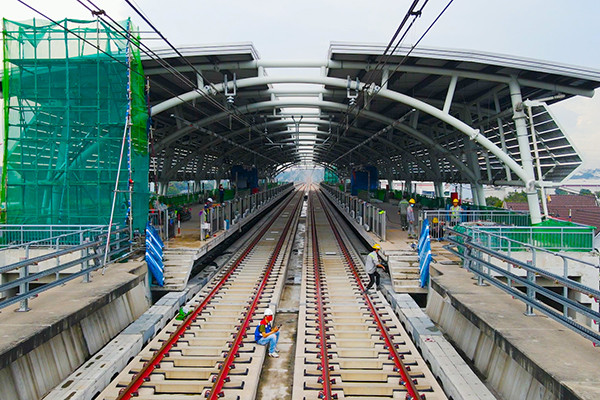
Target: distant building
(581,209)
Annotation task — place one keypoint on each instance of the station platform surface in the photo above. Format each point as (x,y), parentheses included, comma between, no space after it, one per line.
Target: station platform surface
(555,355)
(59,308)
(190,235)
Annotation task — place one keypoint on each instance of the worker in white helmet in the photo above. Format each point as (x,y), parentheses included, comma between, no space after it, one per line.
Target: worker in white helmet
(265,334)
(371,264)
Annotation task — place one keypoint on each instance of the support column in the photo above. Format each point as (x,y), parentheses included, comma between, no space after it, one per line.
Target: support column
(474,194)
(481,194)
(525,151)
(478,195)
(439,189)
(473,163)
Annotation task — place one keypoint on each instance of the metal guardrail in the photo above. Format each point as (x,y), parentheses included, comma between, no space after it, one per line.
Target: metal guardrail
(517,226)
(504,217)
(90,258)
(366,214)
(12,236)
(520,238)
(219,216)
(506,273)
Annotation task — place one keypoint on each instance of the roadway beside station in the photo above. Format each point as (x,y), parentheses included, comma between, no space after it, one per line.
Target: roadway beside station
(519,356)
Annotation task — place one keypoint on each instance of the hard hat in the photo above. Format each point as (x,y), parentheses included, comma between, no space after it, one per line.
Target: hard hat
(412,201)
(435,220)
(376,246)
(268,311)
(209,199)
(455,200)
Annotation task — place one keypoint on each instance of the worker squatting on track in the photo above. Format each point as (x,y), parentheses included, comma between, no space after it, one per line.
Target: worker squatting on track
(265,334)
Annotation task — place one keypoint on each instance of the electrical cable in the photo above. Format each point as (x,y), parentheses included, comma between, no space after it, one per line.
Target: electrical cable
(383,61)
(412,48)
(184,78)
(225,109)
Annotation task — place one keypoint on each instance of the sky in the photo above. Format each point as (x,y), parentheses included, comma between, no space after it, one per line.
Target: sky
(561,31)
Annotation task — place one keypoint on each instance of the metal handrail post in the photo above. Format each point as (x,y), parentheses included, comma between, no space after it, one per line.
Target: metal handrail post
(530,288)
(480,267)
(84,253)
(509,265)
(58,258)
(384,226)
(565,289)
(24,287)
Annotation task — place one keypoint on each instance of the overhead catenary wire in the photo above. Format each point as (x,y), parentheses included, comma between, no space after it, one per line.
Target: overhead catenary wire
(118,28)
(152,54)
(412,48)
(385,58)
(184,59)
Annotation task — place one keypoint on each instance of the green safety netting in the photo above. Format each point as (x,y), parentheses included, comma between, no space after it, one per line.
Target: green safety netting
(65,89)
(330,176)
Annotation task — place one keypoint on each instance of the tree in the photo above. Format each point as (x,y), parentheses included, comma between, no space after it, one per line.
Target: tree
(516,197)
(493,201)
(585,191)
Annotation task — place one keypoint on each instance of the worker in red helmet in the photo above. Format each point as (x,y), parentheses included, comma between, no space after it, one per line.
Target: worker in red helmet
(265,334)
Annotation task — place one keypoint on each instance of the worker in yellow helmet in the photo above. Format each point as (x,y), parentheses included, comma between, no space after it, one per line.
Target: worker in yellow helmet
(371,264)
(437,229)
(455,213)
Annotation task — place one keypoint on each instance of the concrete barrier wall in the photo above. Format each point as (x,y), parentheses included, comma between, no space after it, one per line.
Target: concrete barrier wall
(34,374)
(505,374)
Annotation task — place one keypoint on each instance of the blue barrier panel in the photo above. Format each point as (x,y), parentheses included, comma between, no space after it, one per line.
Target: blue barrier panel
(154,254)
(424,249)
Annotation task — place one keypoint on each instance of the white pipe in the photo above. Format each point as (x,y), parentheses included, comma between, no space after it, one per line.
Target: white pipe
(525,152)
(450,94)
(313,103)
(537,161)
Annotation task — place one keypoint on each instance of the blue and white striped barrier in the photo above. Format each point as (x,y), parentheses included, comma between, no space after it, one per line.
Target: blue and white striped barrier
(154,254)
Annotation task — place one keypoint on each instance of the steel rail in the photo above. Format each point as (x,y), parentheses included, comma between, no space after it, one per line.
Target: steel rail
(325,379)
(407,382)
(131,389)
(216,391)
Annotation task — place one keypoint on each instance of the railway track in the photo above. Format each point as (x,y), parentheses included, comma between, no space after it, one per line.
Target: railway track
(212,354)
(349,345)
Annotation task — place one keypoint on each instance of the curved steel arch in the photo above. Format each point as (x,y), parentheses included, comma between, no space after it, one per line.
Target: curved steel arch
(327,105)
(471,133)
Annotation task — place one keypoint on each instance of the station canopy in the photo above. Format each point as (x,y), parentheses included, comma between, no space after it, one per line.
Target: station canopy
(419,114)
